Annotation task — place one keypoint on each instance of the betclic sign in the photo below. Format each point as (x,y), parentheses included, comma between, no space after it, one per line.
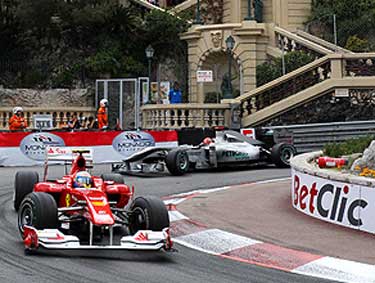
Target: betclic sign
(345,204)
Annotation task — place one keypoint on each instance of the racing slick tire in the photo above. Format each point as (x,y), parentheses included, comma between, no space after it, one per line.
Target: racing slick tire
(148,213)
(23,184)
(177,162)
(281,154)
(117,178)
(38,210)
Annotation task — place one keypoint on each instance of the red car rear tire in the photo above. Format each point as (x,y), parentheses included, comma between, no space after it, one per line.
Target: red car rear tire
(38,210)
(23,184)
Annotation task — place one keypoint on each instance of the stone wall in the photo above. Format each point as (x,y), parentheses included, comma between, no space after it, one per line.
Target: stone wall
(327,108)
(47,98)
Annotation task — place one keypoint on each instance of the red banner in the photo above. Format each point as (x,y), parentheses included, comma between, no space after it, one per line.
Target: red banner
(84,138)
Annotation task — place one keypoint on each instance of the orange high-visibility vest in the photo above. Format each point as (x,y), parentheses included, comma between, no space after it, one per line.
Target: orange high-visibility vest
(102,117)
(17,123)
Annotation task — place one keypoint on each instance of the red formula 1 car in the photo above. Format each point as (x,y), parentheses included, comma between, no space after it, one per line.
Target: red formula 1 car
(78,211)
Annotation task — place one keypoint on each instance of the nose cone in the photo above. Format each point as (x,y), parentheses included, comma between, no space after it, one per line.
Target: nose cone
(99,209)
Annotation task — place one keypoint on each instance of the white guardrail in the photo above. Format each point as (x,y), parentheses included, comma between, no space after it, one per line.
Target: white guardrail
(342,199)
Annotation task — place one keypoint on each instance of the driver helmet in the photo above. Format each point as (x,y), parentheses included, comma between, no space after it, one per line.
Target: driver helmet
(103,102)
(17,109)
(207,141)
(82,179)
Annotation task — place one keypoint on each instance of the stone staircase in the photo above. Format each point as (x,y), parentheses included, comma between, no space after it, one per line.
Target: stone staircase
(335,68)
(323,76)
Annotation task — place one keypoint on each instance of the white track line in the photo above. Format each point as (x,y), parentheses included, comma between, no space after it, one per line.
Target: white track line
(215,241)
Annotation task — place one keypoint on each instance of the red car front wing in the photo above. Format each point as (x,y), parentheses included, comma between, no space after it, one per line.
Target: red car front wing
(53,239)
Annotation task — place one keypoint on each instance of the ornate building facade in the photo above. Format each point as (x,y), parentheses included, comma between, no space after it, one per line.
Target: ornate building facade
(252,29)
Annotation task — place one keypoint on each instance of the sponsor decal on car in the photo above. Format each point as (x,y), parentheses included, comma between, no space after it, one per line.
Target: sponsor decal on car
(127,143)
(34,145)
(235,154)
(67,200)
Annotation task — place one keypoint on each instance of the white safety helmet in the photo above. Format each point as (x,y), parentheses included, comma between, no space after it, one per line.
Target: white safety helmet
(17,109)
(103,102)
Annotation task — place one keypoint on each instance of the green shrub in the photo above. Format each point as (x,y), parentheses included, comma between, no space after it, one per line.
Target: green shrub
(272,69)
(348,147)
(213,97)
(356,44)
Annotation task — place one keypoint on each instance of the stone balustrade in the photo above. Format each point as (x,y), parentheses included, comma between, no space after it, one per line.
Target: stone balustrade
(359,65)
(175,116)
(60,115)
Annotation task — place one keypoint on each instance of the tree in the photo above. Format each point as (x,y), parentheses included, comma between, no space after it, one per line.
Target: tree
(65,42)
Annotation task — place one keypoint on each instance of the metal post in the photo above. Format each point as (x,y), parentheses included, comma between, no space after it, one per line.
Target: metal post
(249,16)
(216,78)
(149,80)
(111,235)
(334,29)
(121,103)
(158,83)
(91,236)
(230,72)
(137,106)
(96,94)
(198,14)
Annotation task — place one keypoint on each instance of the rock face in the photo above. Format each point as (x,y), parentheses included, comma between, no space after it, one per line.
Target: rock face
(367,159)
(46,98)
(327,109)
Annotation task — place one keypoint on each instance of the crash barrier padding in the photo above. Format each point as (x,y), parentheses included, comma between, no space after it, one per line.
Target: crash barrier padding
(28,148)
(338,198)
(194,136)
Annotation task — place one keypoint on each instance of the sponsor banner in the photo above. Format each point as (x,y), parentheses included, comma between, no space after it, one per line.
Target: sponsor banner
(128,143)
(24,149)
(68,153)
(366,214)
(345,204)
(34,145)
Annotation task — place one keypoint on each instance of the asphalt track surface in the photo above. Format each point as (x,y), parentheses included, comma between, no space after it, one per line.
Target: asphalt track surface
(186,265)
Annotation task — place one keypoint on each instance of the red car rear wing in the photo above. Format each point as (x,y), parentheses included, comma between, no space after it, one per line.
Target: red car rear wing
(79,158)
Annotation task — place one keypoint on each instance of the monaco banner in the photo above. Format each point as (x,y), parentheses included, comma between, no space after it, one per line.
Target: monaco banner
(28,148)
(345,204)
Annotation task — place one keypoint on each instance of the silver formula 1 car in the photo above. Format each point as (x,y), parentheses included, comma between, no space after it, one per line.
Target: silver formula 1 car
(228,149)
